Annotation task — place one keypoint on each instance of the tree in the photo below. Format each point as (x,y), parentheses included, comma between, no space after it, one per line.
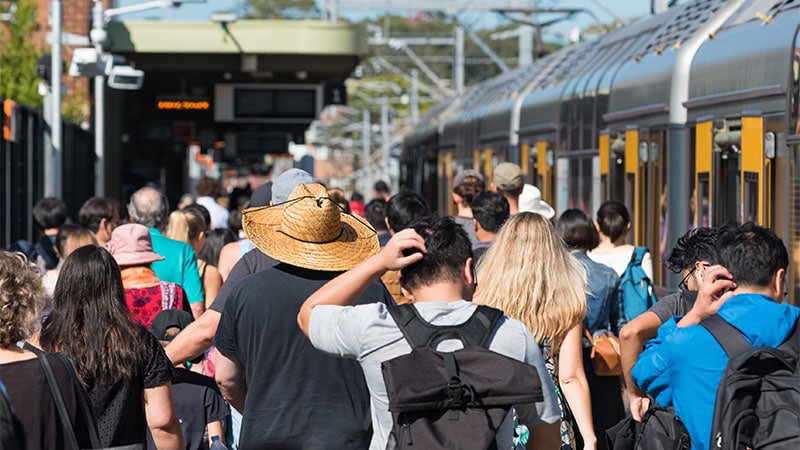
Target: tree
(18,56)
(281,9)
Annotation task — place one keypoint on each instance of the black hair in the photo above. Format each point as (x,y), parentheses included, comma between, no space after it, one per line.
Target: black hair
(381,187)
(96,209)
(356,197)
(468,189)
(490,209)
(201,211)
(375,213)
(613,219)
(752,254)
(699,244)
(89,300)
(49,213)
(235,221)
(215,240)
(447,248)
(405,208)
(577,230)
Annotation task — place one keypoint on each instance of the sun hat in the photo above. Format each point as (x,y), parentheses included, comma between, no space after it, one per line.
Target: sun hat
(310,231)
(531,201)
(130,245)
(507,176)
(461,176)
(169,318)
(283,186)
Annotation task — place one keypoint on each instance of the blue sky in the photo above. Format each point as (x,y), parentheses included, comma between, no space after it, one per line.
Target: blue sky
(624,8)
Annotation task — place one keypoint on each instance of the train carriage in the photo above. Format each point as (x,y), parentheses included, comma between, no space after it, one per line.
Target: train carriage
(689,117)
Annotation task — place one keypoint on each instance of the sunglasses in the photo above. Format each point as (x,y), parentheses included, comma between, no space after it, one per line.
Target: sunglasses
(683,284)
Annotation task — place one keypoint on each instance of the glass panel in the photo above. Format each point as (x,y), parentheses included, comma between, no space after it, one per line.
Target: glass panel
(750,206)
(598,187)
(703,191)
(728,185)
(794,223)
(562,178)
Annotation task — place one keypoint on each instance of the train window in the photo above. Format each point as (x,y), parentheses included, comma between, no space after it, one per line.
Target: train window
(562,177)
(750,205)
(703,195)
(794,220)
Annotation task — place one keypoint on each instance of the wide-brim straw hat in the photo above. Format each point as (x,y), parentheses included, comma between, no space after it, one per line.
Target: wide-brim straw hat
(309,230)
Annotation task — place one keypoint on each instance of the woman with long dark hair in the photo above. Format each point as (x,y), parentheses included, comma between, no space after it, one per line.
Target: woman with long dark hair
(125,370)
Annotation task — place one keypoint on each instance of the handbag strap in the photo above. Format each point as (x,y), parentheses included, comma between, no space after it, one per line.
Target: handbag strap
(69,432)
(588,335)
(83,402)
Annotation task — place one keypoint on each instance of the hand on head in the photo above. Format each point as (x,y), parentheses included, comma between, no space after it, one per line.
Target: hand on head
(715,289)
(403,249)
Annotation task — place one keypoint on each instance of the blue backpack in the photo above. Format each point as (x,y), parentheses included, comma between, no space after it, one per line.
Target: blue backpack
(637,290)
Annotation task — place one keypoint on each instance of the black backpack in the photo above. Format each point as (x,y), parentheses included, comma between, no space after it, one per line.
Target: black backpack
(660,429)
(758,399)
(453,400)
(12,435)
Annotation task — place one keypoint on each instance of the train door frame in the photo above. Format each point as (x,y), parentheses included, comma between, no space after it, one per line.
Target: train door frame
(444,171)
(748,143)
(537,160)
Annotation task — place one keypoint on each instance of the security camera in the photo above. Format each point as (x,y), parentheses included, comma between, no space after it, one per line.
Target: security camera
(86,63)
(125,77)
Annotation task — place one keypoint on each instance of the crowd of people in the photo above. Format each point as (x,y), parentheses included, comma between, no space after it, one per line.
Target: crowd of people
(269,324)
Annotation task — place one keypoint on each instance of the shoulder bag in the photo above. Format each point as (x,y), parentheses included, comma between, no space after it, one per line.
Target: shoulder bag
(605,354)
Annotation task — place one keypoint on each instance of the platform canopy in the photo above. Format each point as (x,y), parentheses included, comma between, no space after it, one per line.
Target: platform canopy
(266,50)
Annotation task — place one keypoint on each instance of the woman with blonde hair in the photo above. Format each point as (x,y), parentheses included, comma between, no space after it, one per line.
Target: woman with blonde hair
(187,225)
(528,274)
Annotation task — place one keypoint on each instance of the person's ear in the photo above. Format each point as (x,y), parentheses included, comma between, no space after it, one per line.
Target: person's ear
(456,198)
(475,224)
(779,284)
(468,272)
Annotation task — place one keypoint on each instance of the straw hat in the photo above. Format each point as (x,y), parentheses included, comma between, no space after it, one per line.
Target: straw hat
(130,245)
(310,231)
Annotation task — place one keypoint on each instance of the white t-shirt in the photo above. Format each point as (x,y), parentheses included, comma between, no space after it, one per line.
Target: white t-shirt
(619,258)
(369,334)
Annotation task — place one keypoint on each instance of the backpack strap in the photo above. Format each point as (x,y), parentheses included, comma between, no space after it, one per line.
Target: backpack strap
(58,399)
(419,333)
(638,255)
(726,335)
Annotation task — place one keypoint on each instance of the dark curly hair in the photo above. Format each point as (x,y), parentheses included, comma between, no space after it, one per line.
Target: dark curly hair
(20,289)
(699,244)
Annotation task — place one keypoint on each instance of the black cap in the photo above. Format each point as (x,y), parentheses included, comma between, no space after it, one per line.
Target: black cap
(167,319)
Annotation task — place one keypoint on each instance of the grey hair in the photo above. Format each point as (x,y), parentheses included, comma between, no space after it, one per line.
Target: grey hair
(148,207)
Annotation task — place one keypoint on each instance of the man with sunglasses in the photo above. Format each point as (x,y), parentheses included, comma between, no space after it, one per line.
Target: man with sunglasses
(694,252)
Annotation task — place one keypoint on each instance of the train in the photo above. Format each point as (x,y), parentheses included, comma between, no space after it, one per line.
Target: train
(689,117)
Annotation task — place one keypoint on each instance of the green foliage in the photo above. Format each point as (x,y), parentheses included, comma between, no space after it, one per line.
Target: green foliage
(281,9)
(18,79)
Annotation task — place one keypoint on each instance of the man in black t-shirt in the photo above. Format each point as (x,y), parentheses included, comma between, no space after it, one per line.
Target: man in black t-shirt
(693,253)
(292,395)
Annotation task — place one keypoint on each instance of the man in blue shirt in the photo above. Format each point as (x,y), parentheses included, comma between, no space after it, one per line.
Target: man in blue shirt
(682,366)
(149,207)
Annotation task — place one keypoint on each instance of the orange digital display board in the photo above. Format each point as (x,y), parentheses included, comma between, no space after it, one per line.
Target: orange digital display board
(182,104)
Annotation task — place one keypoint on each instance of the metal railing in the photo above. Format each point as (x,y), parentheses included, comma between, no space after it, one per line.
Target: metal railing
(22,172)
